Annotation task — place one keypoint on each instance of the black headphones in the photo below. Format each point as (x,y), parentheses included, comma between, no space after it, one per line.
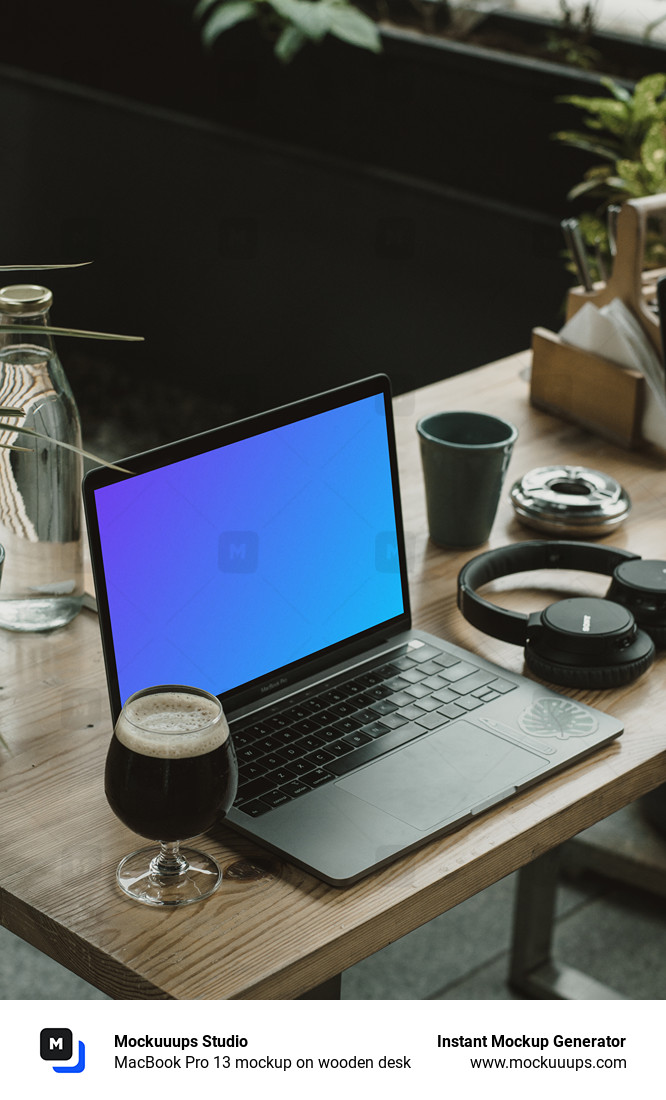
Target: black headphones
(584,641)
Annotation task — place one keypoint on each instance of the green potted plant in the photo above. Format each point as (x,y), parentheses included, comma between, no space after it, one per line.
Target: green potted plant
(625,132)
(289,24)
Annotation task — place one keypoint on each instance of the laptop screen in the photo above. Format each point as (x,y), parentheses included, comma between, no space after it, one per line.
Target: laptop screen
(229,564)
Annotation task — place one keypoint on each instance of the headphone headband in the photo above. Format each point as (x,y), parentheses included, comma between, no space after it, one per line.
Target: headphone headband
(511,626)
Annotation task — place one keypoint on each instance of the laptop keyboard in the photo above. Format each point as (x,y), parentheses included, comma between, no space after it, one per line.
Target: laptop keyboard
(324,733)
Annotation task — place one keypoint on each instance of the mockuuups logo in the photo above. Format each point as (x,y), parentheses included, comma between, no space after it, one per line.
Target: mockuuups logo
(56,1045)
(238,552)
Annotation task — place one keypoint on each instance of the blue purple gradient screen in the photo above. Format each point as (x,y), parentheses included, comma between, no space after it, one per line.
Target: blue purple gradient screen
(231,564)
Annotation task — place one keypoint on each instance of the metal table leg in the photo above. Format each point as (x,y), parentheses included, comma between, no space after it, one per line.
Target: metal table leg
(533,970)
(624,847)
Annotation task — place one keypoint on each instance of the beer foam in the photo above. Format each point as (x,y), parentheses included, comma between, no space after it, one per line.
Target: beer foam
(172,725)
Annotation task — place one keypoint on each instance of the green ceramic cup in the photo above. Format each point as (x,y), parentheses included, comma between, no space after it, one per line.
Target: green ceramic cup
(465,456)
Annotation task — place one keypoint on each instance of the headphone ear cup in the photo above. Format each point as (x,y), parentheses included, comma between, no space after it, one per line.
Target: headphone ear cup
(593,676)
(587,642)
(640,586)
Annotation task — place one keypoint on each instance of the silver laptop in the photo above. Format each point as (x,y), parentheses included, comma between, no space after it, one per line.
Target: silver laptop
(265,562)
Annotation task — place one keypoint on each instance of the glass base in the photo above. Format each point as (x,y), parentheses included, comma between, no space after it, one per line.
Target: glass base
(183,876)
(32,614)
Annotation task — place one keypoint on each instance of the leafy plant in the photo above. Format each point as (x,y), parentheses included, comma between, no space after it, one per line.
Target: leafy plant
(290,24)
(626,132)
(570,43)
(11,412)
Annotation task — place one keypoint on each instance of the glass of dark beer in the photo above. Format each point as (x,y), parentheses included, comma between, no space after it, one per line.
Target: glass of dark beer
(171,772)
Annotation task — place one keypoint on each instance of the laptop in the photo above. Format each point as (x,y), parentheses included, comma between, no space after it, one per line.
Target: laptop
(265,562)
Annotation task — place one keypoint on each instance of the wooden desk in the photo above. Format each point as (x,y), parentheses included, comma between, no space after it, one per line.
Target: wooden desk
(273,931)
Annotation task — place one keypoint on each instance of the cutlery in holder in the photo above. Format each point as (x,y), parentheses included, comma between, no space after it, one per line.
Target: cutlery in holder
(584,387)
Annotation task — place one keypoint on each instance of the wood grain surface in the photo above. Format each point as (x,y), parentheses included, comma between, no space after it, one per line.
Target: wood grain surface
(272,930)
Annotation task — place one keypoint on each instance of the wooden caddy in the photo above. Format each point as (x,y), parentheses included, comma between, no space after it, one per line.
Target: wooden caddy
(583,387)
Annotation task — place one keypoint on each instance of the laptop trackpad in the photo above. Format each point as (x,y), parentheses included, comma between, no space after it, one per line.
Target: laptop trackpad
(444,776)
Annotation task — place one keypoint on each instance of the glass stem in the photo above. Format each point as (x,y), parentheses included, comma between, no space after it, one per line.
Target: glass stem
(169,862)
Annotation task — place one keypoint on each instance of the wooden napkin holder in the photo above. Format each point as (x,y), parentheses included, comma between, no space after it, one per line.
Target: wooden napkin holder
(581,386)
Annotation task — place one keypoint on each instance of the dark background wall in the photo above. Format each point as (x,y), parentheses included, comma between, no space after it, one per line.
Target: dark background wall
(431,108)
(257,271)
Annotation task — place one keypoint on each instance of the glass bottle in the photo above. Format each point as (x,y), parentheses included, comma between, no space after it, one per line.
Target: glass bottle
(40,489)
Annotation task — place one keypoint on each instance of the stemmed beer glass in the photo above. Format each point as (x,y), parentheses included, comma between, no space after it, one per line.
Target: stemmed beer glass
(171,772)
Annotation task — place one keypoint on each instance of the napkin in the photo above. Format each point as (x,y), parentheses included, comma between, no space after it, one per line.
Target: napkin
(614,332)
